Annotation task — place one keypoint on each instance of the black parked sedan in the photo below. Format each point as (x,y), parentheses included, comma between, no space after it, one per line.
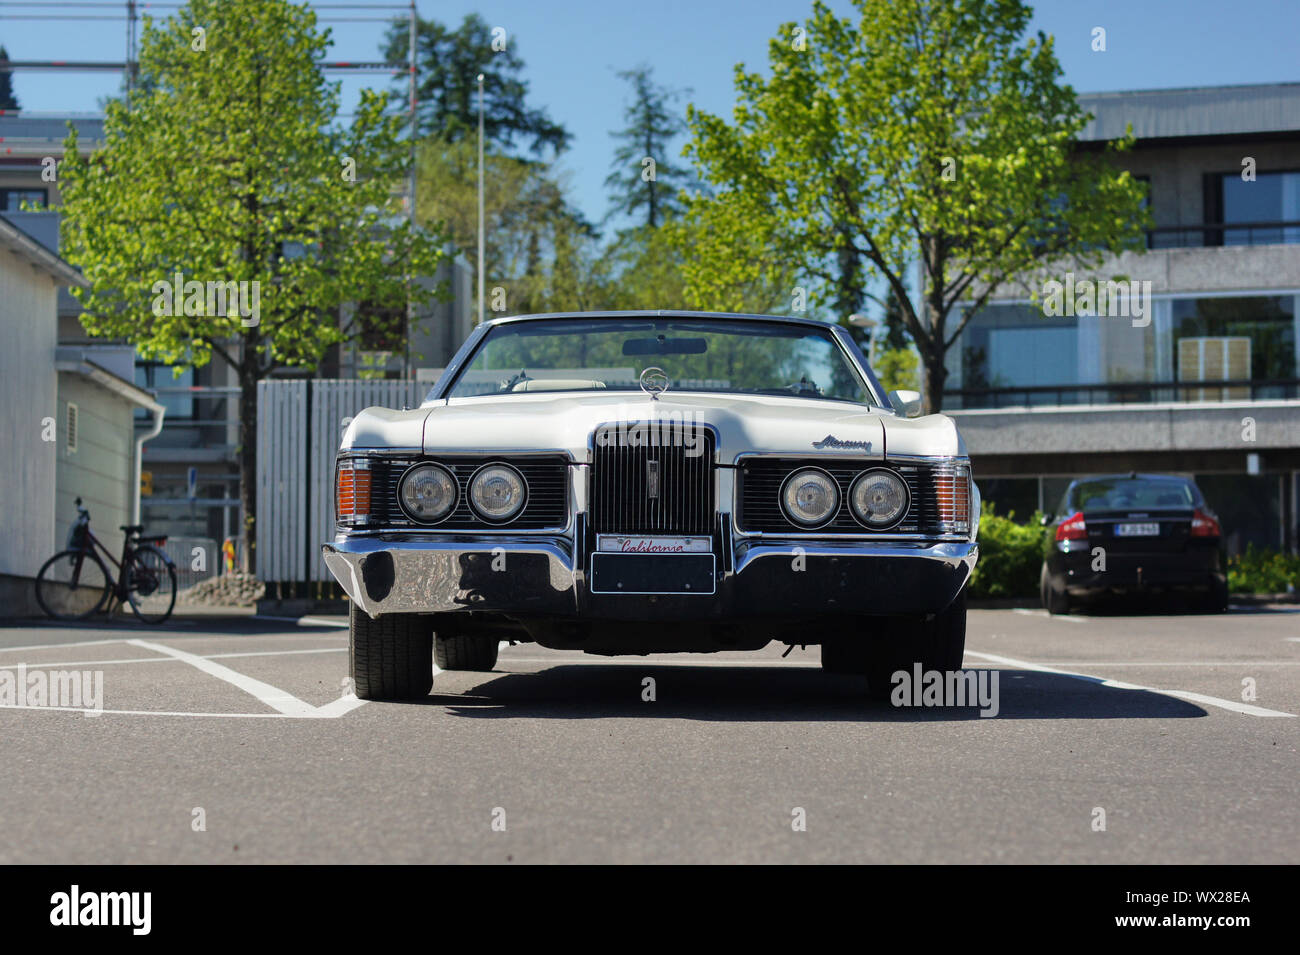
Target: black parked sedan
(1133,533)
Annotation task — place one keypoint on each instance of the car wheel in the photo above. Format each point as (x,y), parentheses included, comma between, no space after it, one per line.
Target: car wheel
(938,643)
(465,651)
(391,657)
(1053,601)
(1216,598)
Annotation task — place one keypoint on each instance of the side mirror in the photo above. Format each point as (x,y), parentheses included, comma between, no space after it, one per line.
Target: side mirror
(906,403)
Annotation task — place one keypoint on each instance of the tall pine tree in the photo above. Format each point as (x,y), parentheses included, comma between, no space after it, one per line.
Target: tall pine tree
(8,101)
(644,178)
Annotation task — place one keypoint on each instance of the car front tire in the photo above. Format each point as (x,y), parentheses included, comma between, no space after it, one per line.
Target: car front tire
(391,657)
(465,652)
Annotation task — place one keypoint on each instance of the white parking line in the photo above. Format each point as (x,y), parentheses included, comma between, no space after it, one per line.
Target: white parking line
(55,646)
(1025,611)
(1231,705)
(272,696)
(52,664)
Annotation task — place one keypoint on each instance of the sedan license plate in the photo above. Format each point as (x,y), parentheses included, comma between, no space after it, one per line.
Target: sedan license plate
(1137,530)
(652,574)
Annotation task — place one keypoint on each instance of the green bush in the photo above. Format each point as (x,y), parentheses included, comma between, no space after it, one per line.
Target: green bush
(1011,555)
(1263,572)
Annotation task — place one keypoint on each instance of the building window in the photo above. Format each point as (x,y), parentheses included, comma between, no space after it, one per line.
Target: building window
(70,429)
(11,200)
(1260,206)
(1267,323)
(176,394)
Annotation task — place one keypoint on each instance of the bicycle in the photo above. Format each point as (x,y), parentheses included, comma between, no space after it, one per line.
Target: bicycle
(75,583)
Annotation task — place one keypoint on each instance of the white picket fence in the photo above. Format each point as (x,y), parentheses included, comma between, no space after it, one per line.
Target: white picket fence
(299,425)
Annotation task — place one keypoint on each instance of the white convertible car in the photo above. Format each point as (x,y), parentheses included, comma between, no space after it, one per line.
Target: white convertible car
(642,482)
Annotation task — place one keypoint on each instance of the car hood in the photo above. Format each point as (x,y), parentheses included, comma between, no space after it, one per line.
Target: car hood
(565,422)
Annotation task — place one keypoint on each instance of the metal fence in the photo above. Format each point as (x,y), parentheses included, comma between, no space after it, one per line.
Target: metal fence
(299,425)
(190,566)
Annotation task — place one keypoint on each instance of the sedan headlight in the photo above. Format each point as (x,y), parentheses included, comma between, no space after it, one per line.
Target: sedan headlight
(879,498)
(497,492)
(428,493)
(810,497)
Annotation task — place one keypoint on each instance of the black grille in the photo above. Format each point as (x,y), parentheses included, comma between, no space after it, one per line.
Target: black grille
(547,504)
(624,499)
(760,492)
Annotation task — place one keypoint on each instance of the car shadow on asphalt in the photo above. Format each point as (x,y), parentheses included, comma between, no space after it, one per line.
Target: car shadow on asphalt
(773,694)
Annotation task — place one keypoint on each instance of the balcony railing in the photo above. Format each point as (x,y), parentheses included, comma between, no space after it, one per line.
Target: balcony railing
(1224,233)
(1120,393)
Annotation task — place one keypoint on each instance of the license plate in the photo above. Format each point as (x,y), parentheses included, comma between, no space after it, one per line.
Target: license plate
(652,574)
(616,544)
(1137,530)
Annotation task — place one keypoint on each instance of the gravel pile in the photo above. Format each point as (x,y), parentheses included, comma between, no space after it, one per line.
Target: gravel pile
(228,590)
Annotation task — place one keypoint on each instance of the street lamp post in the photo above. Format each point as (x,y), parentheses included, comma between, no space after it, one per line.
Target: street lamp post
(869,324)
(481,242)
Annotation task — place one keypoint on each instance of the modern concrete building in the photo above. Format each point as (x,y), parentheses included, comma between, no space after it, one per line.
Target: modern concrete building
(1211,386)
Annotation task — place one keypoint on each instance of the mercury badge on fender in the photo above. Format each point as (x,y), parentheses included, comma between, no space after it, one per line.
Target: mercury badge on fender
(644,482)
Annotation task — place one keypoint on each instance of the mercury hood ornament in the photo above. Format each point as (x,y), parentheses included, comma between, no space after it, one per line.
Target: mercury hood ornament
(654,382)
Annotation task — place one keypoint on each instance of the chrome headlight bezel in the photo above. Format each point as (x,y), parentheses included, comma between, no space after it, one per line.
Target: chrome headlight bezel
(414,471)
(789,512)
(481,474)
(863,519)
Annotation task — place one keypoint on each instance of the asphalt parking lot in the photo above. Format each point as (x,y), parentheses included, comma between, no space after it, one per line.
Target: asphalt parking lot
(234,739)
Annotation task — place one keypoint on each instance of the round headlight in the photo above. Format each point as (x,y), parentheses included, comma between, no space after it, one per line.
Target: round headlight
(810,497)
(497,492)
(428,493)
(879,498)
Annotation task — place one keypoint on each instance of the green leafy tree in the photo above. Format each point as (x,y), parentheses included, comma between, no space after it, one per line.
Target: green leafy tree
(226,169)
(927,131)
(448,62)
(8,101)
(643,177)
(726,266)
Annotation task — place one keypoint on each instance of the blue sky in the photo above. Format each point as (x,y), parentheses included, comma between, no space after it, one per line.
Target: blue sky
(572,49)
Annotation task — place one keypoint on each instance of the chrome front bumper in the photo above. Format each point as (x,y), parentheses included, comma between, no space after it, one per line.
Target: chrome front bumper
(543,575)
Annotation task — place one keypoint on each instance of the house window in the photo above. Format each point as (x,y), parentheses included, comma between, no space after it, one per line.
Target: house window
(11,200)
(70,429)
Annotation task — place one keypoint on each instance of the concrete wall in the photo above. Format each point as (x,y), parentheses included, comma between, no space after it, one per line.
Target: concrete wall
(27,396)
(1177,172)
(100,470)
(1183,428)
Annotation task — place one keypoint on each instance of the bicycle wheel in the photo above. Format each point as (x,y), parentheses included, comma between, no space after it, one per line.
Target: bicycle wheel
(150,584)
(72,585)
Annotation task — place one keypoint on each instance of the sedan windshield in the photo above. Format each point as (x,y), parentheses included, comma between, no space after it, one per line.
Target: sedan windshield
(732,356)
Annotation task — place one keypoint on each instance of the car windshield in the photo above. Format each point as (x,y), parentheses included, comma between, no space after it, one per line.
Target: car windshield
(731,356)
(1118,493)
